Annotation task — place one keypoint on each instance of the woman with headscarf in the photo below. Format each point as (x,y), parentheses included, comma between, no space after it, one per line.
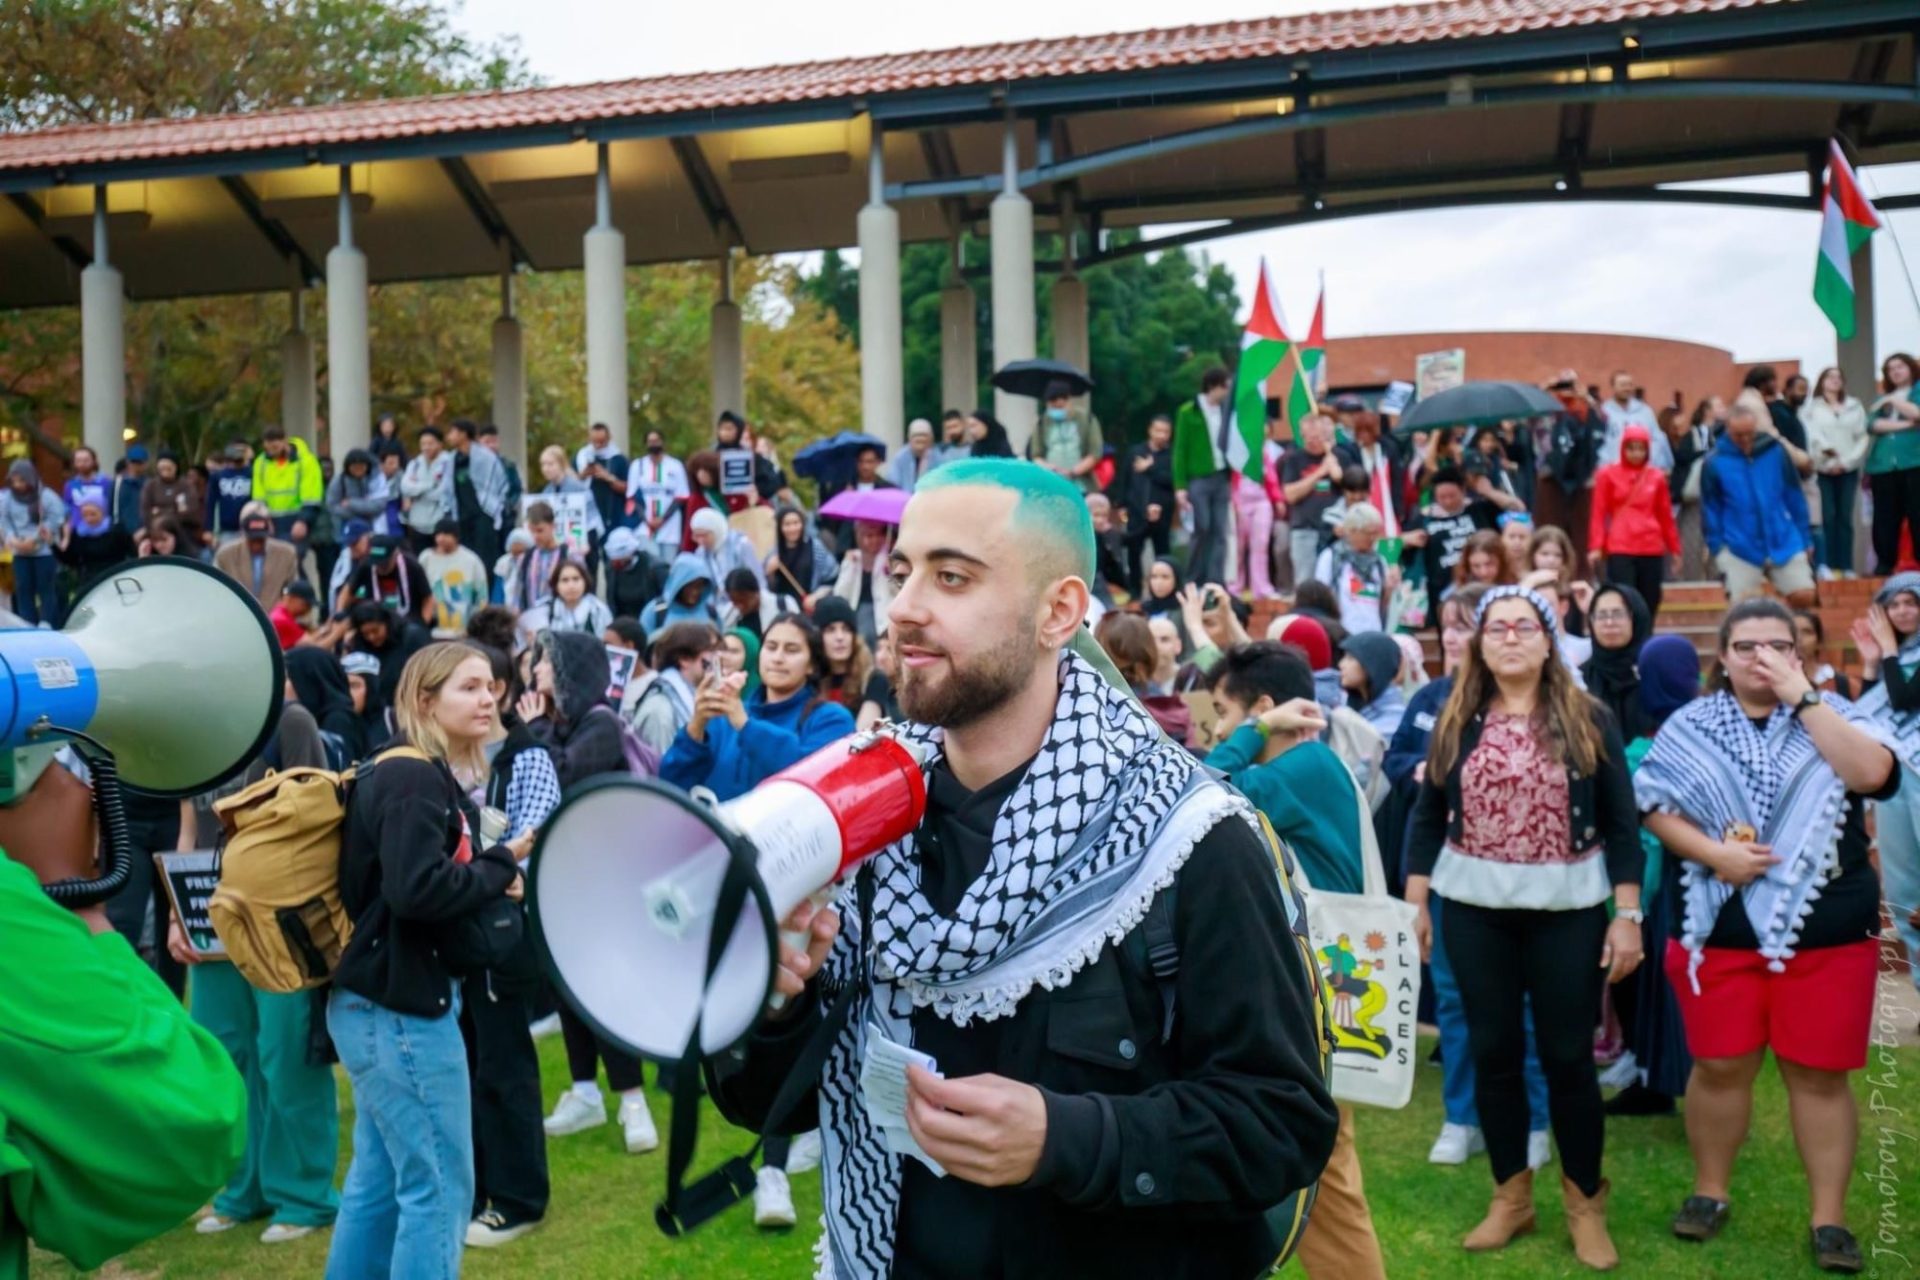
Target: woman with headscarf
(800,571)
(31,518)
(1621,625)
(320,683)
(1669,678)
(1889,642)
(740,651)
(1163,589)
(703,492)
(369,704)
(987,437)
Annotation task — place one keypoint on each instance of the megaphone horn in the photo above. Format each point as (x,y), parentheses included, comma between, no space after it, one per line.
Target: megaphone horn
(624,882)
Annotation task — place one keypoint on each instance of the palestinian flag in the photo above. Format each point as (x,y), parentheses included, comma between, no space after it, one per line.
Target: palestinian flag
(1263,349)
(1309,379)
(1845,223)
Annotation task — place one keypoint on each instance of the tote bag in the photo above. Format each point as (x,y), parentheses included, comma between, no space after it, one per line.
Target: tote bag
(1370,966)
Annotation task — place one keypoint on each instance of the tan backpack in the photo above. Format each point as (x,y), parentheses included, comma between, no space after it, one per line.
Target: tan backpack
(277,909)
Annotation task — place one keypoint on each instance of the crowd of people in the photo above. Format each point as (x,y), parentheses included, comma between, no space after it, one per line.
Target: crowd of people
(1562,802)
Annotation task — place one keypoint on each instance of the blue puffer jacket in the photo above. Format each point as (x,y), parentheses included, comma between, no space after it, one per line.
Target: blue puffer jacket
(733,762)
(1751,503)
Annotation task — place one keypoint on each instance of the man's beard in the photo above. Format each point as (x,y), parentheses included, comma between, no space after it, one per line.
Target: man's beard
(970,693)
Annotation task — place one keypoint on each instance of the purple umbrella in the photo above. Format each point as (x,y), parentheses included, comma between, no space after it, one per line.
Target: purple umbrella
(881,506)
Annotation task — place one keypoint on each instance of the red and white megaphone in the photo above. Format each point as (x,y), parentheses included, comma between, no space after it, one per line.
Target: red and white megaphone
(625,881)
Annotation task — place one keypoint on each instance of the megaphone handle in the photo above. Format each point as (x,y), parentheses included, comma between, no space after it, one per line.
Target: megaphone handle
(797,940)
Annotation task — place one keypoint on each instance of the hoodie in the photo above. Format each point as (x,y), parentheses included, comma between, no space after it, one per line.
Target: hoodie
(1632,508)
(1379,654)
(777,735)
(1751,504)
(38,517)
(289,485)
(688,568)
(584,743)
(352,497)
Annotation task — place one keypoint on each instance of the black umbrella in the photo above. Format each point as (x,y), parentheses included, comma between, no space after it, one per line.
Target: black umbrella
(1477,404)
(1033,377)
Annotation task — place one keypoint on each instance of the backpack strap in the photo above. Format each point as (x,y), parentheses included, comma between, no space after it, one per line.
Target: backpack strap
(1163,954)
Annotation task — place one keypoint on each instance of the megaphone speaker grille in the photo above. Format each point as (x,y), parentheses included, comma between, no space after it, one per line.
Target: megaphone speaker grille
(620,889)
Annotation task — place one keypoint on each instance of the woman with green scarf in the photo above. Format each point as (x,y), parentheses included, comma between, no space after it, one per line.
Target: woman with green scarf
(740,651)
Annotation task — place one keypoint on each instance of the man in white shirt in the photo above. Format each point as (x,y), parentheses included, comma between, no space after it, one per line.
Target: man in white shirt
(657,484)
(1627,409)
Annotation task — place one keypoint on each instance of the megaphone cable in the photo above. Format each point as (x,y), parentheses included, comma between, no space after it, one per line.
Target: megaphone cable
(110,806)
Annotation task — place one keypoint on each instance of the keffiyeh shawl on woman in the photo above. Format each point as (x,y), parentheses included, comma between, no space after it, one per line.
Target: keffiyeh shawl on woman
(1106,815)
(1711,765)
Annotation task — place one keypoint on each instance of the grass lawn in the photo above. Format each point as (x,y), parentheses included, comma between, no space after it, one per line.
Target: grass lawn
(600,1224)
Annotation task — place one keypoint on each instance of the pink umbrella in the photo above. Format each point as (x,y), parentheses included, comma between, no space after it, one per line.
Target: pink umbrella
(881,506)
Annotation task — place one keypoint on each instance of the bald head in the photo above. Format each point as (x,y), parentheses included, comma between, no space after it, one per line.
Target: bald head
(1048,514)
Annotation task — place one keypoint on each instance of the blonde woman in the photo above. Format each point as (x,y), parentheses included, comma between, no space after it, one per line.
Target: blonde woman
(411,867)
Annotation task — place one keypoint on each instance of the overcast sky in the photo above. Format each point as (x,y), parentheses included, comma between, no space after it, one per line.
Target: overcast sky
(1736,278)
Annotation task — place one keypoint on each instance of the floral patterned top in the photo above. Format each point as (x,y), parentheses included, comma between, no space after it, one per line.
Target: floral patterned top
(1513,797)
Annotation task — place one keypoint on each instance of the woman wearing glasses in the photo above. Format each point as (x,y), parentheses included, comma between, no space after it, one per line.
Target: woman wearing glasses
(1525,825)
(1757,786)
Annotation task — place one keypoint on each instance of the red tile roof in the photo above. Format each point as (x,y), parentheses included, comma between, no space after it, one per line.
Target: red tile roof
(813,81)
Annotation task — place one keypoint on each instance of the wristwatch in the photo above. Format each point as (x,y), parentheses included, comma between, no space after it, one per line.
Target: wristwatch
(1632,915)
(1811,698)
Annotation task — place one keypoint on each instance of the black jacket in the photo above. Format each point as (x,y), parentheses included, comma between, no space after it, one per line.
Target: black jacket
(583,743)
(1141,489)
(1600,806)
(1160,1159)
(634,585)
(400,883)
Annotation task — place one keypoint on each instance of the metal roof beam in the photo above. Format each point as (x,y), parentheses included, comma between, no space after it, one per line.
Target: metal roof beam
(30,209)
(272,228)
(707,192)
(1870,66)
(481,204)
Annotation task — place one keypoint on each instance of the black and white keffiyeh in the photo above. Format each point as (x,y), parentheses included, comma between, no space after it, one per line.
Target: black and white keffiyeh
(1711,765)
(1105,816)
(1902,727)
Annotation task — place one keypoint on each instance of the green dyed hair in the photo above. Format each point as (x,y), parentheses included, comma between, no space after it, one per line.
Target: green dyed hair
(1050,506)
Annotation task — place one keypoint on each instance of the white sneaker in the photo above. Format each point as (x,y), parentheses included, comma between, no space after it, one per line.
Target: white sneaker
(804,1155)
(1624,1071)
(1824,574)
(1456,1143)
(213,1224)
(772,1200)
(572,1114)
(1539,1149)
(281,1232)
(637,1124)
(491,1228)
(544,1027)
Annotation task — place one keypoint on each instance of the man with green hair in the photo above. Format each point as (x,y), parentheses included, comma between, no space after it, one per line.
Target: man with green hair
(1080,1118)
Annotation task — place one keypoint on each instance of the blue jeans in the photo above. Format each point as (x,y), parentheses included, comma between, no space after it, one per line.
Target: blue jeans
(1456,1055)
(36,593)
(1838,494)
(1897,823)
(409,1191)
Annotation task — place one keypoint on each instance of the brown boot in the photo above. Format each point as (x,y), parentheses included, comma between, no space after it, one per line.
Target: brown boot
(1510,1214)
(1587,1224)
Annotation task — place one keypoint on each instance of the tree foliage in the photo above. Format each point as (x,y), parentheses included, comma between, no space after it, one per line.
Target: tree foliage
(1155,322)
(207,370)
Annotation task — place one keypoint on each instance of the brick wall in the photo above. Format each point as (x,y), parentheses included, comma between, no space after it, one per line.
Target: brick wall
(1662,366)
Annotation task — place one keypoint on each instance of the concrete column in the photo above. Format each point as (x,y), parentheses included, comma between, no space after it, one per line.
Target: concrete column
(1070,322)
(1856,360)
(349,378)
(726,361)
(510,379)
(1011,224)
(882,382)
(299,406)
(959,342)
(103,348)
(606,272)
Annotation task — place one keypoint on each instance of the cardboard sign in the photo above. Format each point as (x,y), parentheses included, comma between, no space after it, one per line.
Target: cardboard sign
(1395,400)
(1437,371)
(736,472)
(569,519)
(190,879)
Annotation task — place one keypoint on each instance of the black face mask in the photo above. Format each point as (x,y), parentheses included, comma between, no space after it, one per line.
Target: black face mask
(656,448)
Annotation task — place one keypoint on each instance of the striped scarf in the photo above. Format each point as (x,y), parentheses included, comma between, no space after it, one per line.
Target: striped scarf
(1106,815)
(1711,765)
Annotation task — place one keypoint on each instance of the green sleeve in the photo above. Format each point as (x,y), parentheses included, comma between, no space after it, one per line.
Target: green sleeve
(1183,429)
(1241,749)
(312,483)
(118,1116)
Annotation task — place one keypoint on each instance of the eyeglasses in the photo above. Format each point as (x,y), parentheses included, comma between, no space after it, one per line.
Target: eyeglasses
(1747,648)
(1612,615)
(1513,630)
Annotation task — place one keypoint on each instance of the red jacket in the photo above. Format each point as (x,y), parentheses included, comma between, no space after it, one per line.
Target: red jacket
(1632,511)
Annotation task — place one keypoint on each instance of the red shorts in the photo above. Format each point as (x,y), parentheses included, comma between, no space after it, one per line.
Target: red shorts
(1817,1014)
